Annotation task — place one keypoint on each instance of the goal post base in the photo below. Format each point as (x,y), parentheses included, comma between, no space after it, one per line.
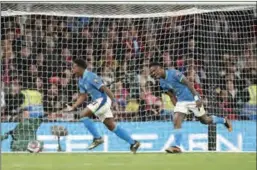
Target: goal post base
(212,137)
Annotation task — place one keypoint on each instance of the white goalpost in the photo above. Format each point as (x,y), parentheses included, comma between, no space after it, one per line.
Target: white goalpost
(213,44)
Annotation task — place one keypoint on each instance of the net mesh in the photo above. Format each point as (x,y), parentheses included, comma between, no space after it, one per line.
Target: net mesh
(215,47)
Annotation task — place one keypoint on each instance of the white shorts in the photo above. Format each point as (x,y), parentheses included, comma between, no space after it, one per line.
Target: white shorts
(101,109)
(184,107)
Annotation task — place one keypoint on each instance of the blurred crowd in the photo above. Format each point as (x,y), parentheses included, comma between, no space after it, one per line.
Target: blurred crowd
(216,51)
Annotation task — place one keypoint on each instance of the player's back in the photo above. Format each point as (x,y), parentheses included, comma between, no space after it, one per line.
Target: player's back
(172,82)
(91,83)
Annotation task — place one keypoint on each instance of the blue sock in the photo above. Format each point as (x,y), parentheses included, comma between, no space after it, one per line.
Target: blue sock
(218,120)
(178,137)
(90,125)
(123,134)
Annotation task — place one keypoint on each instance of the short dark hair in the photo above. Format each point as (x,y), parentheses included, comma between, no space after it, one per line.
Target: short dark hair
(155,64)
(80,62)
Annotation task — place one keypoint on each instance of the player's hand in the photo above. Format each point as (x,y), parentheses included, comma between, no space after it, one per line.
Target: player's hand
(199,103)
(68,108)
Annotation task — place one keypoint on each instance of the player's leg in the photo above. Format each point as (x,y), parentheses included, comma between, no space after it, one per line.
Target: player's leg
(91,126)
(205,119)
(177,123)
(120,132)
(104,113)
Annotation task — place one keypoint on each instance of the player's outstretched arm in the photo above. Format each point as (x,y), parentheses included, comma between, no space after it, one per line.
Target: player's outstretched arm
(108,92)
(172,97)
(111,95)
(82,97)
(189,84)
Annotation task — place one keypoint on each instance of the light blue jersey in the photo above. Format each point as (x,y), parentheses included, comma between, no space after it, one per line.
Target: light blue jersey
(90,83)
(172,82)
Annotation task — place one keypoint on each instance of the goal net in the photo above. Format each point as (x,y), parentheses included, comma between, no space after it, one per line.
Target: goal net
(213,45)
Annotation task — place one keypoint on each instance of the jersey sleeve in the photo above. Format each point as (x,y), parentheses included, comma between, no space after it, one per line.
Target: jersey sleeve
(164,88)
(177,75)
(96,81)
(81,88)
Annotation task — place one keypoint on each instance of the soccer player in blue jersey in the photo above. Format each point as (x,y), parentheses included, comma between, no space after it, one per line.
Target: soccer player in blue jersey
(103,99)
(185,98)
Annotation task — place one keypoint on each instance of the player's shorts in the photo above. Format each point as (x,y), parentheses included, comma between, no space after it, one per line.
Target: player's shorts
(184,107)
(101,108)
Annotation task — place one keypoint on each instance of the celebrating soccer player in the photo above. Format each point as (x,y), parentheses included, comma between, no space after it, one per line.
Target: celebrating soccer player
(185,98)
(103,98)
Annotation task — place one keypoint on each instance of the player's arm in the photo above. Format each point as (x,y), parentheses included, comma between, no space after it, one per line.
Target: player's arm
(182,79)
(172,97)
(82,97)
(108,92)
(189,84)
(178,76)
(170,93)
(97,82)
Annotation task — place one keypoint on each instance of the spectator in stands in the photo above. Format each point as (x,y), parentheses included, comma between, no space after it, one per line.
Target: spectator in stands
(87,33)
(52,29)
(168,63)
(128,55)
(52,102)
(225,107)
(66,54)
(90,62)
(249,110)
(235,43)
(67,85)
(109,58)
(121,95)
(230,87)
(7,44)
(145,77)
(112,33)
(39,84)
(14,101)
(23,60)
(230,97)
(42,48)
(107,73)
(8,53)
(152,104)
(253,93)
(249,68)
(132,106)
(167,107)
(194,78)
(39,59)
(2,93)
(33,99)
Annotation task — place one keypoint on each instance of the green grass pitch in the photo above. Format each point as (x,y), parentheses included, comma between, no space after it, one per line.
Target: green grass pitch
(125,161)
